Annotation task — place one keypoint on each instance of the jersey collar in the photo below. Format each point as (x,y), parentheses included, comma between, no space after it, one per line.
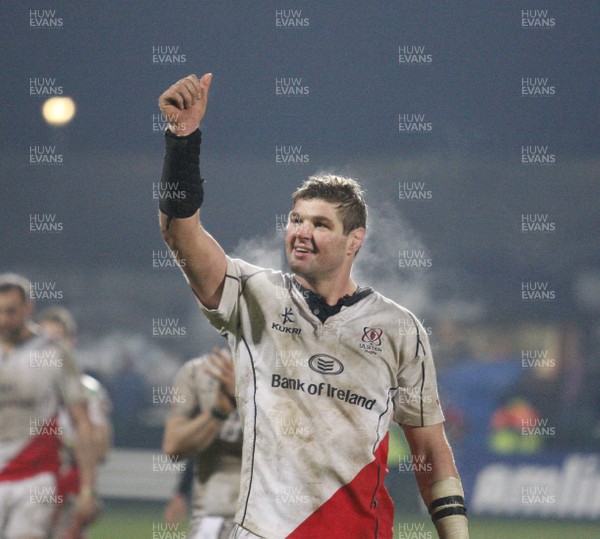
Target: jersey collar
(321,309)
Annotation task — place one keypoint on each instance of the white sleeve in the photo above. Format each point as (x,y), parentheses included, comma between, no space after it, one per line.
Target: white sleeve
(226,316)
(416,402)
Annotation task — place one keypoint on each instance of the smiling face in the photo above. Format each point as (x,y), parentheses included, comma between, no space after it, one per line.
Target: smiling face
(315,244)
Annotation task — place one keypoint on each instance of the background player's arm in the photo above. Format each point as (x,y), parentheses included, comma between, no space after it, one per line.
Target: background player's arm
(85,456)
(103,439)
(99,407)
(185,435)
(200,256)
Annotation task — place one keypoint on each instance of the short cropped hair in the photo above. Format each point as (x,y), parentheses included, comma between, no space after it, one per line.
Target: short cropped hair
(345,193)
(61,316)
(12,281)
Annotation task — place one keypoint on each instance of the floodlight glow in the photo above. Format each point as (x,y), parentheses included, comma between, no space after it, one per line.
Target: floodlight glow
(58,111)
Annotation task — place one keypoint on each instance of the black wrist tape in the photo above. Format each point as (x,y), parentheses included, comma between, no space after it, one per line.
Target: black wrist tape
(448,500)
(181,192)
(447,506)
(449,511)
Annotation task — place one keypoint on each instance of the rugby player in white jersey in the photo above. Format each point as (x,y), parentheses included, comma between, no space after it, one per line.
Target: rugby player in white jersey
(315,427)
(204,424)
(58,323)
(37,375)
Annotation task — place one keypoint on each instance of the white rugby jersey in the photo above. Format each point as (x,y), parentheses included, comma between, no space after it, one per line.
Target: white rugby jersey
(217,468)
(315,401)
(35,379)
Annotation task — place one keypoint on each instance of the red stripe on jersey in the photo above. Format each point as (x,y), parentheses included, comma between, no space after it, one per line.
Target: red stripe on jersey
(38,456)
(362,509)
(68,482)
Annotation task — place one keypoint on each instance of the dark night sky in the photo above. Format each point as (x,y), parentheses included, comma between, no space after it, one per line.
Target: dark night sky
(348,57)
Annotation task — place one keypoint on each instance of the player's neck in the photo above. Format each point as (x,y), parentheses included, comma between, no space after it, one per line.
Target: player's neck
(331,290)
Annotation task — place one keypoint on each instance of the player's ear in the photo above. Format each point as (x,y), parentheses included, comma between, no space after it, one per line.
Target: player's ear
(355,240)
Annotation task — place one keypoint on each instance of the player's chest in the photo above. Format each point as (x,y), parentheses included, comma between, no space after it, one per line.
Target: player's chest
(23,377)
(337,353)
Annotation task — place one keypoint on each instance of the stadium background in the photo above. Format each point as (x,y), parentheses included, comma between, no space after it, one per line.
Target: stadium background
(474,128)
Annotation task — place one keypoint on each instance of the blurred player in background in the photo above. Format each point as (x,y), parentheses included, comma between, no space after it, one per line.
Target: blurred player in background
(59,324)
(315,426)
(176,509)
(37,376)
(204,423)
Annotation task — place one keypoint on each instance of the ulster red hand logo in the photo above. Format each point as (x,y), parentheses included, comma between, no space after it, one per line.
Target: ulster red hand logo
(372,336)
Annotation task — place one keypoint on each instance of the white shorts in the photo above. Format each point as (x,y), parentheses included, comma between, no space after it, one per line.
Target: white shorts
(27,506)
(208,527)
(241,533)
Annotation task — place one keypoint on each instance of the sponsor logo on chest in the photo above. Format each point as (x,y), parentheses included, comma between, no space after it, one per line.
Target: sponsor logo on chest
(287,317)
(324,364)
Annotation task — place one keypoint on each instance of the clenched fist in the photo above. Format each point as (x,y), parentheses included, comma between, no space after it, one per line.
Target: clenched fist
(184,104)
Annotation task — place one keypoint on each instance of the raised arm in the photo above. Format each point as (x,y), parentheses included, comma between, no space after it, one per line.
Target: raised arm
(438,480)
(181,194)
